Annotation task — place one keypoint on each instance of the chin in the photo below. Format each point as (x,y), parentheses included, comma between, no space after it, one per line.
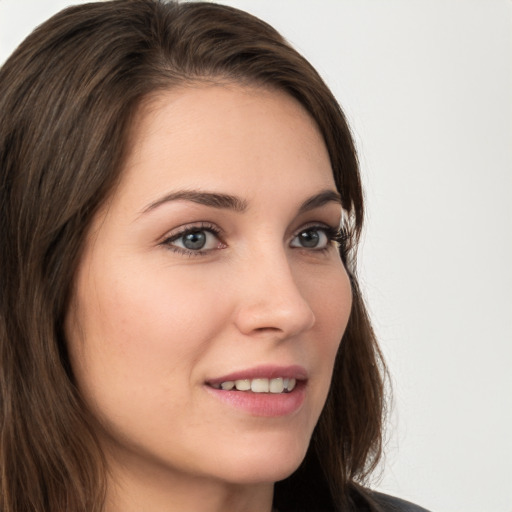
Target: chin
(264,462)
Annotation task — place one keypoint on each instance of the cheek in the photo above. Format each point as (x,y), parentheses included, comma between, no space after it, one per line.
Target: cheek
(330,296)
(129,331)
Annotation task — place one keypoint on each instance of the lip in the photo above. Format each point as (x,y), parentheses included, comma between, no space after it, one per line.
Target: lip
(265,372)
(267,405)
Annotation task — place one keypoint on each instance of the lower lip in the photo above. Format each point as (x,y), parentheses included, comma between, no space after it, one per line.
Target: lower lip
(268,405)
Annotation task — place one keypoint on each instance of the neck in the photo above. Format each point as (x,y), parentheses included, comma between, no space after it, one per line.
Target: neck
(147,491)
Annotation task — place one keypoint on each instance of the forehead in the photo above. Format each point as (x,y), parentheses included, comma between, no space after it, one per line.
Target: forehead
(203,136)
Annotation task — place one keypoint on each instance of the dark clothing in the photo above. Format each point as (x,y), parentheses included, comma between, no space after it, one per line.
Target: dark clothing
(391,504)
(361,500)
(308,491)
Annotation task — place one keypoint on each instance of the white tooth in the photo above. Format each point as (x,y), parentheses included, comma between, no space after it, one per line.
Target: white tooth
(243,384)
(276,385)
(291,384)
(228,385)
(286,381)
(259,385)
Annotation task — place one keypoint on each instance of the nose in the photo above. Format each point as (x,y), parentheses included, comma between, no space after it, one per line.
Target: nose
(270,301)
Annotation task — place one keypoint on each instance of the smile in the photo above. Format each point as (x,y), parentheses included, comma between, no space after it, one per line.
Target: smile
(258,385)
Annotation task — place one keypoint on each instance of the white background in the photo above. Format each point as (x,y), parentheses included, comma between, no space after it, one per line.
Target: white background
(427,87)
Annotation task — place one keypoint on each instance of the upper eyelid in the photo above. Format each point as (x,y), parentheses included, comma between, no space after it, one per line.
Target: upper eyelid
(318,225)
(179,231)
(168,241)
(218,232)
(206,225)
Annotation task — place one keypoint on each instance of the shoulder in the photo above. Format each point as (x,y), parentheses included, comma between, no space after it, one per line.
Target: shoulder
(388,503)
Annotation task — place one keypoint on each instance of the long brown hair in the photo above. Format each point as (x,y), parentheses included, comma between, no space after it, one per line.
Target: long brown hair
(67,98)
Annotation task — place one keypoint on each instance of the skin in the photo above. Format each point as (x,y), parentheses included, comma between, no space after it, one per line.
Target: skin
(149,324)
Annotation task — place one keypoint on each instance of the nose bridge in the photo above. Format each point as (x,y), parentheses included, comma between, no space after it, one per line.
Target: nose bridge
(271,299)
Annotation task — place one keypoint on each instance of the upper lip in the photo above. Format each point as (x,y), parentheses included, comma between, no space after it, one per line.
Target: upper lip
(263,372)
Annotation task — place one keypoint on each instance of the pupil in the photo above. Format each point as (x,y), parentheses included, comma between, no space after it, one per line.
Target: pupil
(195,240)
(309,238)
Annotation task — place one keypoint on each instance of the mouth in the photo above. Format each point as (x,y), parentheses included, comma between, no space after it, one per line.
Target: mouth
(277,385)
(270,391)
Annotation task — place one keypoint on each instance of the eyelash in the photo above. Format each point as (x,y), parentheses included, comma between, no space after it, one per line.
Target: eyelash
(203,226)
(336,235)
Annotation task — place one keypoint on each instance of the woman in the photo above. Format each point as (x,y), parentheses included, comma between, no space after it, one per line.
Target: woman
(181,205)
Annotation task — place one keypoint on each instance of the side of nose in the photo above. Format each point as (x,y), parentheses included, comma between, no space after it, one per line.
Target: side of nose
(270,300)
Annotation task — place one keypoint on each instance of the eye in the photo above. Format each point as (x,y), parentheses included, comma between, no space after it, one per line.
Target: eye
(194,240)
(314,237)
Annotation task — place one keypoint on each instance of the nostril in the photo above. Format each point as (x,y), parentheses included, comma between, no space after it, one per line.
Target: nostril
(267,329)
(275,321)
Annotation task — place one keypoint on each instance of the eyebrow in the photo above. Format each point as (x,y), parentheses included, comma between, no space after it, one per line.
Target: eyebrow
(212,199)
(321,199)
(229,202)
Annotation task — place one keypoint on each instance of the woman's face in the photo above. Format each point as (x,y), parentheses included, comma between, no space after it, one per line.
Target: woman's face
(211,267)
